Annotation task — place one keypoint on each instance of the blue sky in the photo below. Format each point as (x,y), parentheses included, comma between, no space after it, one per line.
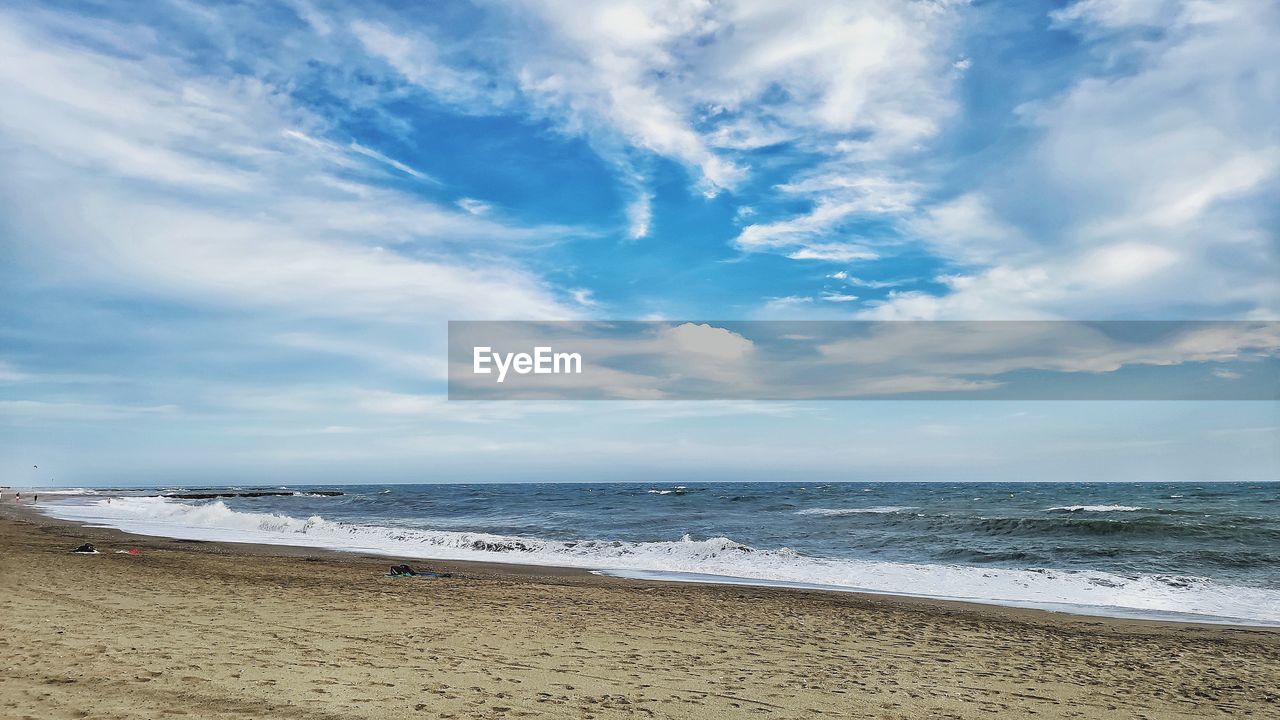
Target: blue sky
(231,234)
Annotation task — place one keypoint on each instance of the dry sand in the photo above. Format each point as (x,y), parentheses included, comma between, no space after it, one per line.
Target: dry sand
(214,630)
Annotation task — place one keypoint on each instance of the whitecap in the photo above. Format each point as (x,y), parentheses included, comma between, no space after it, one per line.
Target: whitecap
(840,512)
(713,559)
(1095,508)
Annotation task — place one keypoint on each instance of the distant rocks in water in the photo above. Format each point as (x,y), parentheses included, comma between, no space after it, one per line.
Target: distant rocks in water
(249,493)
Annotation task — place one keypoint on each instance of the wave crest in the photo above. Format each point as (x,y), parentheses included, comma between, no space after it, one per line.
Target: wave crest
(718,559)
(1095,508)
(841,512)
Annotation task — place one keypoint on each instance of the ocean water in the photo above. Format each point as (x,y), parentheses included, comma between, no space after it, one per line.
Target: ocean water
(1208,552)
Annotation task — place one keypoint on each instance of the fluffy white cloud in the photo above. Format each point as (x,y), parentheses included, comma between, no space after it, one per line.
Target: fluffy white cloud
(1152,184)
(965,229)
(701,83)
(140,175)
(857,85)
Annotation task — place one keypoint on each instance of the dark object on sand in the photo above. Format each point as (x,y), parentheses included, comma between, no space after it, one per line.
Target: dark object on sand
(406,571)
(86,549)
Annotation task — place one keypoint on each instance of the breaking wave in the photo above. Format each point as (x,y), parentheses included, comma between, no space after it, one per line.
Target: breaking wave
(715,559)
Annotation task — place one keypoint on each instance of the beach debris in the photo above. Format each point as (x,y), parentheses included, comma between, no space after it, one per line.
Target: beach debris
(504,546)
(86,549)
(406,571)
(130,551)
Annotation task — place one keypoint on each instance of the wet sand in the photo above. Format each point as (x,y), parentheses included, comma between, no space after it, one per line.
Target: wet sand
(221,630)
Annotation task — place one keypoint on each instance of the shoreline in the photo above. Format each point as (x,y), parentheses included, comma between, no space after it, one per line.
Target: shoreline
(527,571)
(227,629)
(671,577)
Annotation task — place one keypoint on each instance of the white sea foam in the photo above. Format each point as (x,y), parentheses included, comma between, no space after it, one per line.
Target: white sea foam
(1095,508)
(715,559)
(839,512)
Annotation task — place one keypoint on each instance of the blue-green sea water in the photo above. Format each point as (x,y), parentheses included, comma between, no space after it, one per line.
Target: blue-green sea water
(1193,551)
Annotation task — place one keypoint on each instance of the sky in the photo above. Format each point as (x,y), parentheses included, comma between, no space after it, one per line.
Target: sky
(232,234)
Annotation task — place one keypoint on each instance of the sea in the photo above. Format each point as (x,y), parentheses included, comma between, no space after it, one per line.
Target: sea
(1205,552)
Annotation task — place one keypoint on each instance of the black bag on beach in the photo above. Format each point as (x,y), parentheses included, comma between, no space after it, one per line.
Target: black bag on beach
(406,571)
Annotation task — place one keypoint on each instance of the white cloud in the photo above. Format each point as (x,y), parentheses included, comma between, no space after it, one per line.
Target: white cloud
(377,351)
(1116,14)
(421,60)
(474,206)
(840,201)
(833,252)
(706,342)
(371,153)
(600,68)
(312,16)
(583,297)
(874,284)
(10,374)
(691,81)
(390,403)
(697,83)
(1152,186)
(249,263)
(1126,263)
(639,215)
(143,175)
(959,349)
(24,411)
(998,293)
(789,300)
(800,307)
(965,229)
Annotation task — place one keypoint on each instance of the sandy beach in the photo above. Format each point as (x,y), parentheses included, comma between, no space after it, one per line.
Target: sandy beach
(217,630)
